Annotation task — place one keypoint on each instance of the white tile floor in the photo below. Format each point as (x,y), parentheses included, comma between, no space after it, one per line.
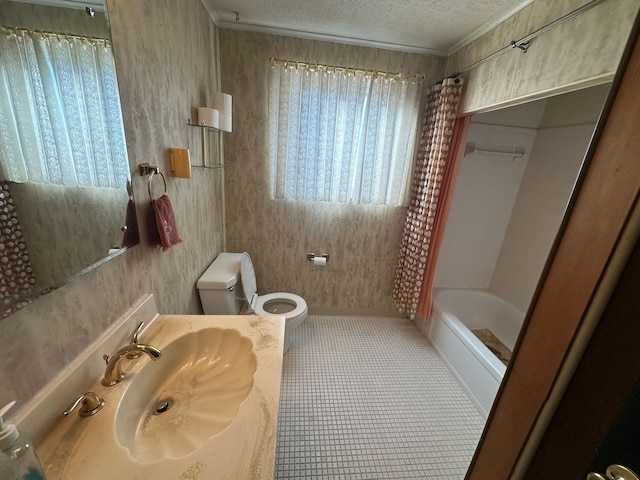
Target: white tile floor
(369,398)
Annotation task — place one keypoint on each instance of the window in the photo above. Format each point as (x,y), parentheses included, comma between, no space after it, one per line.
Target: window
(60,117)
(341,135)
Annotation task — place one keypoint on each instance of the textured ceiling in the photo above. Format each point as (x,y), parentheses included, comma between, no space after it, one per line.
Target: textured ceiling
(429,26)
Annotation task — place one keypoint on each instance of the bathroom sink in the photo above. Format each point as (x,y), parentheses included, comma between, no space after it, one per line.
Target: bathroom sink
(207,408)
(192,393)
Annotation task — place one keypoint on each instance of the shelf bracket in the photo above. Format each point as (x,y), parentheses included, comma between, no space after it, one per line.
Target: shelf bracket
(204,148)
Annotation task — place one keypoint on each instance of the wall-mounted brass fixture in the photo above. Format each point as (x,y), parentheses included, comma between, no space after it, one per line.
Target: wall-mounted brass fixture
(147,169)
(151,170)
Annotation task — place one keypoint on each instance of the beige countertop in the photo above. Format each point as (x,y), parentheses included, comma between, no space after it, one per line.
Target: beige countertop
(74,447)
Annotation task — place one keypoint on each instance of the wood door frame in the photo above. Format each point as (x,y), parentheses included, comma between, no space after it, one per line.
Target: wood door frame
(595,394)
(609,186)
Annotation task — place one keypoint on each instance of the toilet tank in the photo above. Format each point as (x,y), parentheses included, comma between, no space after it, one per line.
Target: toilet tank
(219,286)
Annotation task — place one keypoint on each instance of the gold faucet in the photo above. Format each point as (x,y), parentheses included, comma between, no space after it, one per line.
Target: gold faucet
(114,374)
(90,404)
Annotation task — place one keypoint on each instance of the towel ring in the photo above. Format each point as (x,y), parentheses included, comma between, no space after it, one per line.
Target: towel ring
(164,180)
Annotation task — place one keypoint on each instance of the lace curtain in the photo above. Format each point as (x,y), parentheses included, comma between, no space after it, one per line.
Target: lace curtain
(435,155)
(341,135)
(60,117)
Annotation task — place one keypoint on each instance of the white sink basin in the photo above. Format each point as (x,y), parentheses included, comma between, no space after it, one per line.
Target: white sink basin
(190,394)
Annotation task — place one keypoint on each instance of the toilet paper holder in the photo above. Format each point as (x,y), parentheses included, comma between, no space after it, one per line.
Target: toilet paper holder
(311,256)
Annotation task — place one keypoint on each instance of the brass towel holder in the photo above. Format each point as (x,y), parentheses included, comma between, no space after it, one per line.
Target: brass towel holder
(151,170)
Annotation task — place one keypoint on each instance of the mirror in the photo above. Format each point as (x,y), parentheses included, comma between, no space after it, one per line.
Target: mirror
(57,228)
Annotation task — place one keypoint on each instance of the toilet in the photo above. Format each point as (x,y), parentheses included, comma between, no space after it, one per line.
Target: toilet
(220,293)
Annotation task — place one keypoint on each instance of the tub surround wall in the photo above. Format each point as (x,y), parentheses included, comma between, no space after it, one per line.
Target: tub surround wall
(501,225)
(485,192)
(565,131)
(362,241)
(166,56)
(582,52)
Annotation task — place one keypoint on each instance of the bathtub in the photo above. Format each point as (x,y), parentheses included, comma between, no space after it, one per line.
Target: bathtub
(455,313)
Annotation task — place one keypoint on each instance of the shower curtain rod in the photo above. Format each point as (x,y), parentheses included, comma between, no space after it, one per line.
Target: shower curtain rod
(523,43)
(19,30)
(417,77)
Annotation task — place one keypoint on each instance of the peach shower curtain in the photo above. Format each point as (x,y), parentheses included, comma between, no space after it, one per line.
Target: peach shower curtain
(431,192)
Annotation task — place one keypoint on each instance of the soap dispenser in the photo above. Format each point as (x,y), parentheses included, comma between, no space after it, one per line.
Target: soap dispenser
(17,455)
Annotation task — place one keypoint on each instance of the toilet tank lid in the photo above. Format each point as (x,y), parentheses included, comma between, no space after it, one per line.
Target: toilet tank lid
(222,274)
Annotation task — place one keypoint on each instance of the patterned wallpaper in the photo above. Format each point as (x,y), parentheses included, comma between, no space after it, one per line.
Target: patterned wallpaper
(53,19)
(166,56)
(582,52)
(85,225)
(362,241)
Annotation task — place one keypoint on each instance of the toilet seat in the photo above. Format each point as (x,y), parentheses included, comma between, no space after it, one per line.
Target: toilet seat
(299,304)
(259,303)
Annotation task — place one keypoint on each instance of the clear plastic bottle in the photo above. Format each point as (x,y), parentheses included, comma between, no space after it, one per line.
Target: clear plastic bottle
(8,468)
(17,455)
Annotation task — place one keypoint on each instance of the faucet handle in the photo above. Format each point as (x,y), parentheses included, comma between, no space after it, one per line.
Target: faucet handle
(134,341)
(134,336)
(91,404)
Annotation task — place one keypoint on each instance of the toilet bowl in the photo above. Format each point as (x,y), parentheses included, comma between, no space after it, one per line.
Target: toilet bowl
(219,294)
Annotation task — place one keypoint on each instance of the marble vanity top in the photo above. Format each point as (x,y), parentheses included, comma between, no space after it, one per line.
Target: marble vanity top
(74,447)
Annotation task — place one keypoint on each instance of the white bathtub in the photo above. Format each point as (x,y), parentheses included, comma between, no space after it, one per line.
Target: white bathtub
(455,313)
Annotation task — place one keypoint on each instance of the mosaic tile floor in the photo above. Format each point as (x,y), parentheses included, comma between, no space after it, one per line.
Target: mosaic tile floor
(369,398)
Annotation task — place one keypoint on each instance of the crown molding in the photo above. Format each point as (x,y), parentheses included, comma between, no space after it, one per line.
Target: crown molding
(486,28)
(325,37)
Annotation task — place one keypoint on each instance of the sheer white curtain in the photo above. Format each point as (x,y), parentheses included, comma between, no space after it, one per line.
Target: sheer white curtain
(341,135)
(60,117)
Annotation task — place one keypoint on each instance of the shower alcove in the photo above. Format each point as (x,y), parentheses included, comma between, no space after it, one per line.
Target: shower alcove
(512,189)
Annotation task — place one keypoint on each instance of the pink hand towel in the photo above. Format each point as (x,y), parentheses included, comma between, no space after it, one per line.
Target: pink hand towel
(165,222)
(152,226)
